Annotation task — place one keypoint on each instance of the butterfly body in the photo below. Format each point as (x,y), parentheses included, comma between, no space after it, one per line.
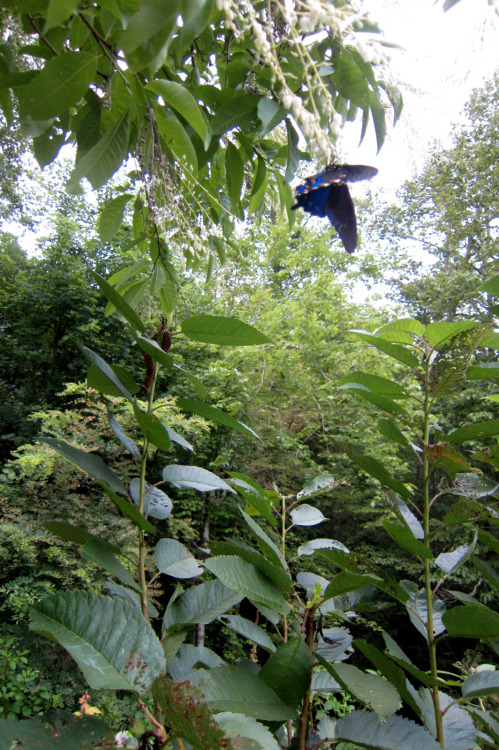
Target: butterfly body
(327,194)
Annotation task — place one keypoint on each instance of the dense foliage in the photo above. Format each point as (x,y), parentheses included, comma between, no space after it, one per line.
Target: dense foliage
(263,401)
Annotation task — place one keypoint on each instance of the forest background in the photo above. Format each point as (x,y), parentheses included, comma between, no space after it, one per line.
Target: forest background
(287,277)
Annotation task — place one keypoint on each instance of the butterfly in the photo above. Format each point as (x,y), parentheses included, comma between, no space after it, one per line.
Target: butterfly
(327,194)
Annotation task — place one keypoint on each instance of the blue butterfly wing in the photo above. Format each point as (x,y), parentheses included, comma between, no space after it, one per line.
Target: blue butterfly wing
(326,194)
(340,211)
(334,202)
(345,173)
(313,201)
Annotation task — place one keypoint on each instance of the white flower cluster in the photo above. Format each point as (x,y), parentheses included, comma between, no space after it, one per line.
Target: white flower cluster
(301,17)
(372,52)
(309,122)
(316,15)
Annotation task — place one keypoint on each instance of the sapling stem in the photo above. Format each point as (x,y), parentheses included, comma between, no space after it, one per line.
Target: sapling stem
(432,648)
(142,496)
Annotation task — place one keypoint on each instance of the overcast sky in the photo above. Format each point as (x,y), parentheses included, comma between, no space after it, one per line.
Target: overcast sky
(444,57)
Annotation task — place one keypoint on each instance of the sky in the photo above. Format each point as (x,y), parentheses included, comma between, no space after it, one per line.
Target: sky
(444,56)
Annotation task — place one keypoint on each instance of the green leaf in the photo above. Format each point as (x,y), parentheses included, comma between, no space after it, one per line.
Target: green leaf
(256,504)
(214,329)
(62,82)
(246,579)
(129,510)
(187,715)
(106,379)
(111,217)
(213,414)
(458,730)
(472,485)
(127,272)
(339,559)
(249,630)
(195,17)
(417,609)
(491,286)
(193,477)
(152,428)
(314,544)
(489,540)
(150,18)
(378,115)
(382,402)
(402,325)
(47,145)
(333,644)
(438,333)
(318,486)
(395,97)
(274,572)
(156,503)
(346,581)
(188,657)
(350,80)
(176,438)
(483,373)
(474,431)
(288,671)
(236,689)
(248,733)
(239,111)
(270,114)
(177,139)
(101,161)
(76,534)
(306,515)
(407,540)
(94,550)
(485,682)
(122,436)
(374,691)
(266,544)
(153,349)
(174,559)
(194,380)
(379,472)
(57,729)
(58,12)
(200,604)
(88,462)
(374,383)
(259,187)
(116,589)
(234,170)
(449,561)
(390,671)
(472,622)
(365,729)
(178,97)
(395,351)
(407,517)
(487,722)
(292,150)
(120,304)
(397,655)
(113,645)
